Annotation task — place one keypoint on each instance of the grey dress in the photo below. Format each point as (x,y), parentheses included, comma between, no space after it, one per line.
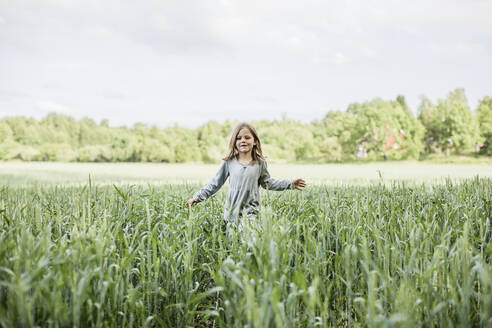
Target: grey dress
(244,182)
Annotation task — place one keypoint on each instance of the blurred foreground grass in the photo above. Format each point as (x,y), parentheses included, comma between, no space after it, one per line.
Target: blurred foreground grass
(352,255)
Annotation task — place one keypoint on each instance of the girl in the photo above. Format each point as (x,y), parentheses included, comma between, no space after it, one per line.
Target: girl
(246,167)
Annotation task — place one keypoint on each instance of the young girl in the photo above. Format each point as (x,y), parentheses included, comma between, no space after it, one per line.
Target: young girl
(247,169)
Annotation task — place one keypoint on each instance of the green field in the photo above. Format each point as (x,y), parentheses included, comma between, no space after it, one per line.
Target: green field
(353,249)
(21,173)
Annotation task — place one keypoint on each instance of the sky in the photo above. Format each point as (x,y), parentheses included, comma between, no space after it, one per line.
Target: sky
(167,62)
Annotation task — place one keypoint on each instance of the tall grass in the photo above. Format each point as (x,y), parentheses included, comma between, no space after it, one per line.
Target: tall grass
(135,256)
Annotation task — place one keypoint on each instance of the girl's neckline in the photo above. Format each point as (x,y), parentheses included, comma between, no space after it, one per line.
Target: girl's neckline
(252,162)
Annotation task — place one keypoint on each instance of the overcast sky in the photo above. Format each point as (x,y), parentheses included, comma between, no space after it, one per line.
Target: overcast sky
(188,62)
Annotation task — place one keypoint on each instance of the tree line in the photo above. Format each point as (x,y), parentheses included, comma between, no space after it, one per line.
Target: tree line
(373,130)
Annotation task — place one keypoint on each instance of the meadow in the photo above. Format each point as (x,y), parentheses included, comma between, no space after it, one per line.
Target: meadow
(116,246)
(56,173)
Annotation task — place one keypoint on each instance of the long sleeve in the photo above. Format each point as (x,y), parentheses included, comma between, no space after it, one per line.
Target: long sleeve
(214,185)
(271,184)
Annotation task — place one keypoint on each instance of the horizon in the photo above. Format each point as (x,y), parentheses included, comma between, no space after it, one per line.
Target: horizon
(283,116)
(176,124)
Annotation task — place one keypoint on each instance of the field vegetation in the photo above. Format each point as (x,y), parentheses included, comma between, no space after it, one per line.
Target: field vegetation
(393,254)
(52,173)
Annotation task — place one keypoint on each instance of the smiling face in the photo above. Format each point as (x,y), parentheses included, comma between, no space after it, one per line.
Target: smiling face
(245,141)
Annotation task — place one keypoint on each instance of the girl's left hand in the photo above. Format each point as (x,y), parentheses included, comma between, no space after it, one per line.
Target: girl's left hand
(299,184)
(191,202)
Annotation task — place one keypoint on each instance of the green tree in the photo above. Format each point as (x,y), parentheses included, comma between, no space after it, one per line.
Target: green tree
(378,129)
(28,153)
(98,153)
(5,132)
(288,139)
(272,136)
(154,151)
(183,143)
(57,128)
(212,142)
(331,150)
(484,115)
(10,149)
(412,129)
(343,127)
(450,125)
(182,153)
(56,152)
(26,131)
(90,133)
(299,138)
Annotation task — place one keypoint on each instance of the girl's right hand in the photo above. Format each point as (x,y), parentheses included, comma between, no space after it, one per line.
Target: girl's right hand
(298,184)
(191,202)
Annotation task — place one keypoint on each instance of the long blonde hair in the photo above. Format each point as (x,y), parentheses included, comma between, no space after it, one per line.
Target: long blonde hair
(256,152)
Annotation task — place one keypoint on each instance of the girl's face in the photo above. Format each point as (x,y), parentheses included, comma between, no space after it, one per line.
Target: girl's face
(245,141)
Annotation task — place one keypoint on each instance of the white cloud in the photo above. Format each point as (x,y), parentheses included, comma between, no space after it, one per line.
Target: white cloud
(112,55)
(458,50)
(197,26)
(48,106)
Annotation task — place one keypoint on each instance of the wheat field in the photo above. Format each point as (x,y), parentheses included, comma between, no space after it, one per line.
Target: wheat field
(390,253)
